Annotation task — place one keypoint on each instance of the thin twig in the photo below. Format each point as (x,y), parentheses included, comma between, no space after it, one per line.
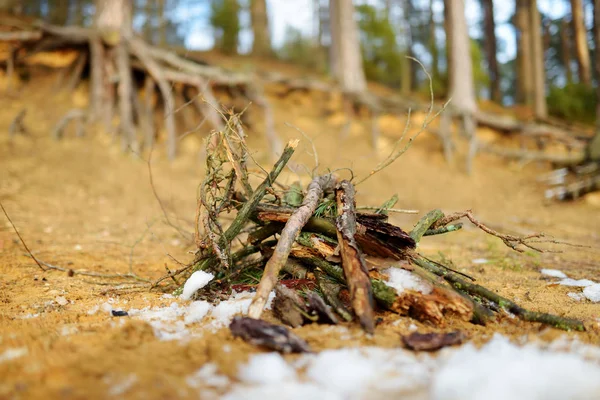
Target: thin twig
(21,239)
(394,155)
(393,210)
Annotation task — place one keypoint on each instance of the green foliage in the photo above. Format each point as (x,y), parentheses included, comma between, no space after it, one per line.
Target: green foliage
(225,20)
(382,59)
(302,50)
(573,102)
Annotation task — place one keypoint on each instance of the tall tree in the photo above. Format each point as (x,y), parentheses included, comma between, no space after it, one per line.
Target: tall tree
(593,149)
(346,59)
(524,56)
(261,45)
(433,45)
(447,31)
(462,86)
(113,21)
(538,54)
(225,21)
(565,50)
(10,6)
(581,44)
(490,44)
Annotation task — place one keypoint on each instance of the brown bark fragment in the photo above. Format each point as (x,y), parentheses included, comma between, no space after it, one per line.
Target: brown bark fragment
(355,269)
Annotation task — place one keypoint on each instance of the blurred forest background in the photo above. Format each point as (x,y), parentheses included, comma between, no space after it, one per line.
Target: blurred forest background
(537,57)
(502,34)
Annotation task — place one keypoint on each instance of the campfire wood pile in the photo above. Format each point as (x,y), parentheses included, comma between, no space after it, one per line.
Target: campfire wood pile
(321,255)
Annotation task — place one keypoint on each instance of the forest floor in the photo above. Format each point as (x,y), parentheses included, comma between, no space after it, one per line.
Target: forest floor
(81,203)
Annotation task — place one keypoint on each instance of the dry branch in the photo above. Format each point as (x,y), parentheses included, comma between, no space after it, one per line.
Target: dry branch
(288,235)
(355,270)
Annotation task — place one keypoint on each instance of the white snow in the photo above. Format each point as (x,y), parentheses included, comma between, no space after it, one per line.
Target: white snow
(591,289)
(120,385)
(501,370)
(266,368)
(576,282)
(401,280)
(480,261)
(592,292)
(62,301)
(207,376)
(173,322)
(196,311)
(553,273)
(198,280)
(11,354)
(498,370)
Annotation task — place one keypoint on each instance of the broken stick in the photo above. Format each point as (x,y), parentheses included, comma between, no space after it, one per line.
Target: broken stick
(288,235)
(355,270)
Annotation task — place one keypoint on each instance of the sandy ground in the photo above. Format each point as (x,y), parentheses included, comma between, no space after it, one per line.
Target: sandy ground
(83,204)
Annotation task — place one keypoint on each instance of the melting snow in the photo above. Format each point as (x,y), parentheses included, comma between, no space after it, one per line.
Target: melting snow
(592,292)
(11,354)
(498,370)
(198,280)
(554,273)
(172,322)
(401,280)
(591,289)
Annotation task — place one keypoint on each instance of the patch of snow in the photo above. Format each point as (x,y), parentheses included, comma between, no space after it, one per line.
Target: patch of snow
(501,370)
(11,354)
(197,281)
(207,376)
(401,280)
(62,301)
(106,307)
(171,323)
(196,311)
(93,310)
(576,296)
(576,282)
(592,292)
(554,273)
(30,315)
(68,330)
(121,385)
(480,261)
(266,368)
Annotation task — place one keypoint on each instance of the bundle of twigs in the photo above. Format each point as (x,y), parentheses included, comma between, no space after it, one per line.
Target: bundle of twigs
(314,241)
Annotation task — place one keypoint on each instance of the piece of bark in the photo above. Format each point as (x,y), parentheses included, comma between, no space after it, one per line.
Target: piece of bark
(288,235)
(317,306)
(262,333)
(355,269)
(288,306)
(432,341)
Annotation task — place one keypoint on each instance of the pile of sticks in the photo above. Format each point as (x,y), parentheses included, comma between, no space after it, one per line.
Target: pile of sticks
(314,241)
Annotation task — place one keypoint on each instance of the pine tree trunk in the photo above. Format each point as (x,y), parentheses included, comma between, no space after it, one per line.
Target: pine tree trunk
(448,32)
(346,59)
(593,149)
(462,88)
(162,23)
(525,62)
(491,49)
(433,45)
(261,46)
(565,50)
(538,54)
(406,79)
(581,45)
